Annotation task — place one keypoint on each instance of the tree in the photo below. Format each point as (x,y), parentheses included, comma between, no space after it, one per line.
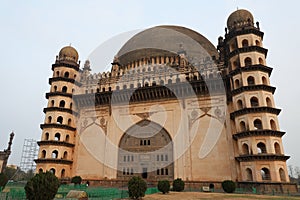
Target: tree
(228,186)
(42,186)
(136,187)
(178,185)
(3,180)
(163,186)
(76,180)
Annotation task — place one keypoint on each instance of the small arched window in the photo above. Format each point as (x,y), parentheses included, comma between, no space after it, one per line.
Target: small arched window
(254,102)
(57,136)
(251,80)
(265,174)
(245,43)
(66,75)
(153,83)
(249,174)
(264,80)
(257,124)
(282,175)
(146,84)
(40,170)
(64,89)
(52,103)
(67,138)
(245,149)
(261,148)
(237,83)
(49,119)
(57,73)
(55,88)
(71,105)
(239,104)
(65,155)
(273,125)
(248,61)
(52,170)
(46,136)
(269,102)
(243,126)
(257,43)
(69,122)
(59,120)
(277,148)
(261,61)
(54,154)
(62,104)
(235,65)
(63,173)
(43,154)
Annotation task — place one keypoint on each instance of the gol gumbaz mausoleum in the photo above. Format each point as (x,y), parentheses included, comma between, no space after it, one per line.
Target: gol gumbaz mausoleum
(172,106)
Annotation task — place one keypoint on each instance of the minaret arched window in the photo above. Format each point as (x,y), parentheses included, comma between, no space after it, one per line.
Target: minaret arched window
(57,73)
(60,120)
(248,61)
(239,104)
(269,102)
(265,174)
(257,43)
(62,104)
(282,175)
(63,173)
(66,75)
(261,61)
(237,83)
(71,105)
(249,174)
(52,103)
(251,80)
(57,136)
(40,170)
(245,149)
(64,89)
(55,154)
(69,122)
(254,102)
(52,170)
(46,136)
(261,148)
(43,154)
(55,88)
(277,148)
(264,80)
(49,119)
(146,84)
(257,124)
(245,43)
(67,138)
(65,155)
(273,125)
(243,126)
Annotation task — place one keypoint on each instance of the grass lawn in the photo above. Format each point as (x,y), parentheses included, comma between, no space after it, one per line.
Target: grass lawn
(202,195)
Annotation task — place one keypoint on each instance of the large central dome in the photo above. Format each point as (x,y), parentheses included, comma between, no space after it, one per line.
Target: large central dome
(164,41)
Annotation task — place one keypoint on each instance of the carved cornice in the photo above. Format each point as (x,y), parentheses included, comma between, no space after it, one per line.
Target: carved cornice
(255,133)
(53,160)
(259,67)
(68,110)
(242,89)
(56,143)
(69,80)
(248,49)
(50,94)
(245,111)
(61,126)
(262,157)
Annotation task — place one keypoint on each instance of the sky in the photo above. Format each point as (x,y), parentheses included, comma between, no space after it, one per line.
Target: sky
(33,32)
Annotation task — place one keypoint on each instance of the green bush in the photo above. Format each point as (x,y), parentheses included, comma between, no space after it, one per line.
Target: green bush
(3,180)
(42,186)
(178,185)
(228,186)
(76,180)
(136,187)
(163,186)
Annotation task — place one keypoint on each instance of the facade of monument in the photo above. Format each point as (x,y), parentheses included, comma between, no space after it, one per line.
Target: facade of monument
(172,106)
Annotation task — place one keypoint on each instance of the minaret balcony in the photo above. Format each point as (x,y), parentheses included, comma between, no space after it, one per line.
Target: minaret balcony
(251,110)
(242,89)
(250,68)
(55,143)
(254,31)
(262,157)
(50,94)
(59,109)
(53,160)
(69,80)
(255,133)
(67,64)
(247,50)
(61,126)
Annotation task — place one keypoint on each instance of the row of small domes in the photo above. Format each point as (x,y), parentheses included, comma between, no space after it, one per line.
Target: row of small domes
(240,16)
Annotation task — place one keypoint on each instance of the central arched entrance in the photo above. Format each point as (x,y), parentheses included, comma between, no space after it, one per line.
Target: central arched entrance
(146,150)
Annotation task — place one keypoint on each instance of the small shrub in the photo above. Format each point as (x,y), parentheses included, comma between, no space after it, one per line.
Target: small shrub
(76,180)
(178,185)
(42,186)
(163,186)
(3,180)
(228,186)
(136,187)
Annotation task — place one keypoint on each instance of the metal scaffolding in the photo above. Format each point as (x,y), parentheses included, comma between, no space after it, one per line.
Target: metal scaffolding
(29,153)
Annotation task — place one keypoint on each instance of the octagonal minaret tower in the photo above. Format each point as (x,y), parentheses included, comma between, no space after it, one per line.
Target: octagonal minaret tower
(259,150)
(58,130)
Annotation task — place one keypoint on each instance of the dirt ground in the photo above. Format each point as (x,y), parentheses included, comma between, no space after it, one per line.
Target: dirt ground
(202,195)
